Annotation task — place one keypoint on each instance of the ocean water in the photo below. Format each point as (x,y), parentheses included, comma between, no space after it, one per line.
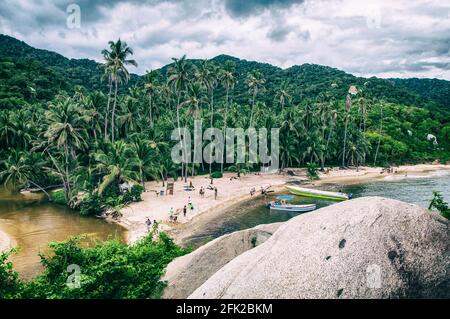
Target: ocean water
(416,189)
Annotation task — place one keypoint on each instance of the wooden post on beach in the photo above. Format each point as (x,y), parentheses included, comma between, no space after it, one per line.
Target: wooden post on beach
(170,188)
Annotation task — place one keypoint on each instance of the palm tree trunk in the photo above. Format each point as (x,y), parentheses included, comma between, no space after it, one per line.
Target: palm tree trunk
(212,123)
(345,139)
(113,120)
(225,127)
(107,108)
(151,107)
(253,107)
(43,190)
(179,131)
(66,152)
(379,139)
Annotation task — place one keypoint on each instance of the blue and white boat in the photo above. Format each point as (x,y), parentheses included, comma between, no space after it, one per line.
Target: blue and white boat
(283,206)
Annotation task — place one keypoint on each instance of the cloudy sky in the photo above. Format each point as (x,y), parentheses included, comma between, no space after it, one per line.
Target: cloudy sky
(384,38)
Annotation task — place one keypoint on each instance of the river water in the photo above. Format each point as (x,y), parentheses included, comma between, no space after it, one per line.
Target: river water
(416,189)
(31,222)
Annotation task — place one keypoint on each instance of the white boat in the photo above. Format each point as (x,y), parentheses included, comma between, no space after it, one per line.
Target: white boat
(308,192)
(293,208)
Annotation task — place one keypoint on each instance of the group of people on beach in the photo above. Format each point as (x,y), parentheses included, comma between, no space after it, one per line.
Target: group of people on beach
(173,216)
(149,224)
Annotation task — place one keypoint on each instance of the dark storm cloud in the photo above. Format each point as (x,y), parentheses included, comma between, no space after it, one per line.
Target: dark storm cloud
(244,8)
(413,38)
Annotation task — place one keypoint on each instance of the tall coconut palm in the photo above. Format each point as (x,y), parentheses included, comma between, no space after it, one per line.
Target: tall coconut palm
(117,164)
(65,132)
(283,94)
(380,134)
(7,129)
(207,75)
(178,78)
(146,159)
(192,102)
(18,171)
(255,82)
(115,64)
(151,87)
(107,71)
(228,81)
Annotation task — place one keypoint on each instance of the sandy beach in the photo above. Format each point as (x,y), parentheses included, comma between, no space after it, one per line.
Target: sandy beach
(5,242)
(232,191)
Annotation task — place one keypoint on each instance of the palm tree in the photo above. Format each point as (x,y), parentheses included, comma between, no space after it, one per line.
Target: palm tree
(65,132)
(151,87)
(194,97)
(107,73)
(283,94)
(115,65)
(255,83)
(178,78)
(146,159)
(117,164)
(18,172)
(347,115)
(380,134)
(7,129)
(228,82)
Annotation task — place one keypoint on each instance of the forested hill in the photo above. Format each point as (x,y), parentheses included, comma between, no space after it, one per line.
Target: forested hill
(311,81)
(31,74)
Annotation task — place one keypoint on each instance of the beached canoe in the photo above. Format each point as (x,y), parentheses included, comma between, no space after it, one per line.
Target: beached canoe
(293,208)
(307,192)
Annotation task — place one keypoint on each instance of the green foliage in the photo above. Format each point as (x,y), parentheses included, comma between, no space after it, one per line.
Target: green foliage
(61,124)
(58,197)
(311,171)
(216,175)
(109,270)
(440,205)
(10,284)
(95,204)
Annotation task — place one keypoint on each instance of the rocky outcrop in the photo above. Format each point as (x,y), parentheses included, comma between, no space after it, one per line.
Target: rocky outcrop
(364,248)
(185,274)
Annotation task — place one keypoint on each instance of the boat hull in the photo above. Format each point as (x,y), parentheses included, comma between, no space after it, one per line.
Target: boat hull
(305,192)
(293,208)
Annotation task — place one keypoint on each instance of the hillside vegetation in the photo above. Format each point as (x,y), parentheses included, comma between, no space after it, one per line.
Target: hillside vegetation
(91,126)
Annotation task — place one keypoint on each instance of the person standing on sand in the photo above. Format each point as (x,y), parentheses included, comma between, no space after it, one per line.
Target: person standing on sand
(184,210)
(148,222)
(215,192)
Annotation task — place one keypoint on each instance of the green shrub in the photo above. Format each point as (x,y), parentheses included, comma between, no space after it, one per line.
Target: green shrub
(311,171)
(58,197)
(216,175)
(10,284)
(440,205)
(91,205)
(108,270)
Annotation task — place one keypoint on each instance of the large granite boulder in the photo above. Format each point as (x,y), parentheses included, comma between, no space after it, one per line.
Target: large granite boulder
(186,273)
(364,248)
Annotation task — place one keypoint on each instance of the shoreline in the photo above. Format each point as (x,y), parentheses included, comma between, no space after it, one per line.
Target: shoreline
(6,243)
(232,192)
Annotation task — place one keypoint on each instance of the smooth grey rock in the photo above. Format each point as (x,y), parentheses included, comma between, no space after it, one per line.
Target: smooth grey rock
(369,247)
(186,273)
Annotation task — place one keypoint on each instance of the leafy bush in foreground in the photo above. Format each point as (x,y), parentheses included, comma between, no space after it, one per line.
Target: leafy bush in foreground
(108,270)
(438,203)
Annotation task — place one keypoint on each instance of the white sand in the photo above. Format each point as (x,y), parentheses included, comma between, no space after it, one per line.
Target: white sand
(233,191)
(5,242)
